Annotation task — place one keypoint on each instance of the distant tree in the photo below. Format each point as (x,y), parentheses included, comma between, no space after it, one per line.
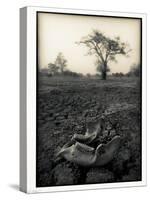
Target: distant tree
(118,74)
(104,48)
(88,75)
(80,74)
(121,74)
(72,74)
(134,70)
(61,62)
(53,69)
(68,73)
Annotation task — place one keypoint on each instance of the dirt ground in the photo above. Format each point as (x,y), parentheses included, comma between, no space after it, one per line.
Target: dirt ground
(64,107)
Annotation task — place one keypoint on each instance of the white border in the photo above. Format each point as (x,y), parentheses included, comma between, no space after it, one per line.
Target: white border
(31,101)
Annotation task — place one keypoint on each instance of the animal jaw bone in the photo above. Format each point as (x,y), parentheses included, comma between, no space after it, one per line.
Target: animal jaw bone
(84,155)
(106,152)
(90,135)
(78,153)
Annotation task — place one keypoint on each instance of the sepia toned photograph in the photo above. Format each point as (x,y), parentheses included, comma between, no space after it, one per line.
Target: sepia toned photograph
(89,99)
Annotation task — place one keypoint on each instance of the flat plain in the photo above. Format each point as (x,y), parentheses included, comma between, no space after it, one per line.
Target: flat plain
(65,105)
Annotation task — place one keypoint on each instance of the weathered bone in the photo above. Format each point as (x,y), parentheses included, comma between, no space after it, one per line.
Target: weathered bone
(84,155)
(92,133)
(105,152)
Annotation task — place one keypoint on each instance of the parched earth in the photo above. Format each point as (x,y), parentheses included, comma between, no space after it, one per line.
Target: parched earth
(66,105)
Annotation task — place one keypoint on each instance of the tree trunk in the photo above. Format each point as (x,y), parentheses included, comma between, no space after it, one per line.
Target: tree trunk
(104,72)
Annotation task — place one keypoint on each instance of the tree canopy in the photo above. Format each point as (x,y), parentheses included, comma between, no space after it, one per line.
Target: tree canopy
(53,69)
(61,62)
(104,48)
(59,65)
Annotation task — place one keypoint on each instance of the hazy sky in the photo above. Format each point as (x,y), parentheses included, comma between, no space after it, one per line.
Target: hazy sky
(58,33)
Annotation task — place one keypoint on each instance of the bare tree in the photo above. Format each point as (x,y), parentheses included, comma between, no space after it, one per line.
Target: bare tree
(53,69)
(61,62)
(104,48)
